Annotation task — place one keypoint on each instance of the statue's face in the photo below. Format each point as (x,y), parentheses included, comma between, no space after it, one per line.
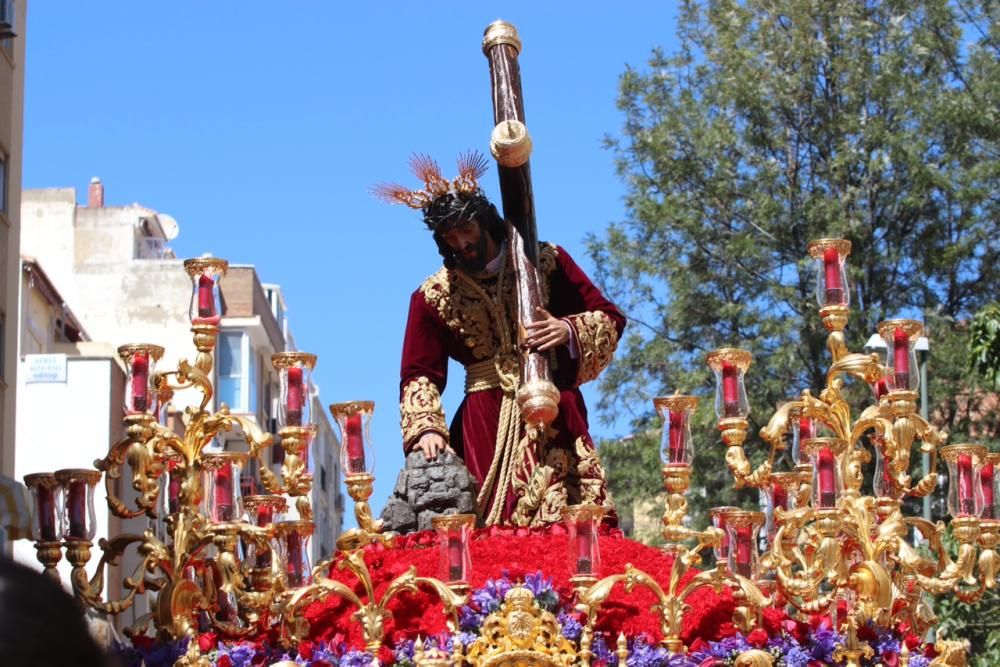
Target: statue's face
(472,246)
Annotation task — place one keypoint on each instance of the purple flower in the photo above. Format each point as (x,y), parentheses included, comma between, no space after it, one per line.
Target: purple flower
(571,627)
(641,654)
(725,648)
(545,595)
(241,655)
(919,661)
(824,642)
(356,659)
(886,642)
(796,657)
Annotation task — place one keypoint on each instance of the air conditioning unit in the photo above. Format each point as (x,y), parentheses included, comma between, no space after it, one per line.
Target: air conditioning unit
(8,19)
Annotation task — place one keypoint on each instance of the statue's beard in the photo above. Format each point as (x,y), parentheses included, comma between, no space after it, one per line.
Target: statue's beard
(474,259)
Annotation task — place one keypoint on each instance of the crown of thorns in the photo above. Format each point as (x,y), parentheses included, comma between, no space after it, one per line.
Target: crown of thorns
(471,166)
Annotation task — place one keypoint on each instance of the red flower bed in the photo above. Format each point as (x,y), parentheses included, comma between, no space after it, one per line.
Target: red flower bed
(516,553)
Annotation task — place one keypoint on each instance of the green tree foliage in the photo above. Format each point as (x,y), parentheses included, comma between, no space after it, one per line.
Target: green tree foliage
(776,122)
(984,349)
(781,121)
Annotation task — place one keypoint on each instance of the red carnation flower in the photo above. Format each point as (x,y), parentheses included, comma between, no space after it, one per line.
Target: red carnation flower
(207,642)
(223,661)
(306,649)
(758,638)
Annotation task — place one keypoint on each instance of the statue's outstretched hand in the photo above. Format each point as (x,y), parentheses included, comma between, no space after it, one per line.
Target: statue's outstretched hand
(545,333)
(431,444)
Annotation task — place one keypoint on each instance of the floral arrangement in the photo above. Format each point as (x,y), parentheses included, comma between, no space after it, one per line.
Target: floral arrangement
(503,559)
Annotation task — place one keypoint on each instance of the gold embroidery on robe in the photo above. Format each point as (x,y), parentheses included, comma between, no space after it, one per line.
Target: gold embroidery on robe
(597,339)
(420,410)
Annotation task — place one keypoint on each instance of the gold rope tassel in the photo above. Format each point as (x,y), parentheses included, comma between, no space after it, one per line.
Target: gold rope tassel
(503,462)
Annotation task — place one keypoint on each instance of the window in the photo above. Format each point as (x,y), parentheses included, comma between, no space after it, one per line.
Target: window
(229,359)
(322,478)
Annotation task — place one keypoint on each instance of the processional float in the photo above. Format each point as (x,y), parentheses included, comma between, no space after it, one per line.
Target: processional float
(238,565)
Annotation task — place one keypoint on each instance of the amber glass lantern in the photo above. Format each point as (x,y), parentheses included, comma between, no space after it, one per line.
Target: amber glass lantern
(292,538)
(79,520)
(454,533)
(220,480)
(676,448)
(743,528)
(830,256)
(900,337)
(354,421)
(582,524)
(46,496)
(730,365)
(206,305)
(965,491)
(140,365)
(294,373)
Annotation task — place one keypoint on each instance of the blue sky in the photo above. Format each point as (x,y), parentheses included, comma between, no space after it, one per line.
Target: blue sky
(260,126)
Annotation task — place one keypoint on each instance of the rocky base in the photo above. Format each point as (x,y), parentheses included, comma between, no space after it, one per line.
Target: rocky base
(426,489)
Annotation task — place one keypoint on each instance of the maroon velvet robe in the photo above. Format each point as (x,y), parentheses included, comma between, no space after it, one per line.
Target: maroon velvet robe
(457,315)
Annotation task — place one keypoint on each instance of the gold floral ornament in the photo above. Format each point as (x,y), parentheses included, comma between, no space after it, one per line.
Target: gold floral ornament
(521,633)
(471,167)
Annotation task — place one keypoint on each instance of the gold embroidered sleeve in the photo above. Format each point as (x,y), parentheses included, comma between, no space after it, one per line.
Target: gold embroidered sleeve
(420,411)
(597,339)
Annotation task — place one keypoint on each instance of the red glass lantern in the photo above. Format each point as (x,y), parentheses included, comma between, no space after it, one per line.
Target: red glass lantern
(293,538)
(295,375)
(206,304)
(140,365)
(79,520)
(46,495)
(718,517)
(803,428)
(220,478)
(454,533)
(830,256)
(780,493)
(676,446)
(965,491)
(354,421)
(900,337)
(730,365)
(989,481)
(883,481)
(743,528)
(827,482)
(263,511)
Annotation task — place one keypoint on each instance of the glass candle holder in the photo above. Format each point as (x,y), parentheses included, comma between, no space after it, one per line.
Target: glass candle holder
(174,465)
(354,421)
(582,524)
(989,481)
(780,493)
(140,365)
(454,533)
(46,496)
(803,428)
(206,304)
(743,528)
(294,373)
(965,491)
(262,511)
(79,520)
(900,337)
(830,257)
(676,446)
(718,517)
(883,481)
(220,479)
(827,483)
(292,538)
(730,365)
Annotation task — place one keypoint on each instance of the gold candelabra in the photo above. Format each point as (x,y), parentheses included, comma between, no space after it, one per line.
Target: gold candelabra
(239,565)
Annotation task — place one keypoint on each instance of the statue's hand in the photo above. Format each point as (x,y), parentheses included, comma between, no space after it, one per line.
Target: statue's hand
(546,332)
(431,444)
